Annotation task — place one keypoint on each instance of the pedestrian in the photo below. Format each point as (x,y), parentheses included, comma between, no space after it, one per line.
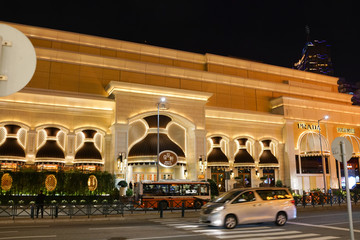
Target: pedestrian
(39,201)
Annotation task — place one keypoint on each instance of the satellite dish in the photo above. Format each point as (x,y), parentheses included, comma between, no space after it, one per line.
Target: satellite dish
(17,60)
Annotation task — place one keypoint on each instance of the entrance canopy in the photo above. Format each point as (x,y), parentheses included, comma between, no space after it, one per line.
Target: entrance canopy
(355,141)
(309,144)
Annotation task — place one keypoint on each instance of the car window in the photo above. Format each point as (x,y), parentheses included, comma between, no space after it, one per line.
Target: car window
(273,194)
(245,197)
(228,196)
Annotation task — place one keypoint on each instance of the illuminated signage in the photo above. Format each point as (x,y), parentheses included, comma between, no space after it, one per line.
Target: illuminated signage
(168,159)
(345,130)
(307,126)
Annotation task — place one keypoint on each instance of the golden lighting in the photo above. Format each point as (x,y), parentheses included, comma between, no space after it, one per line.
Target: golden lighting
(50,182)
(92,183)
(6,182)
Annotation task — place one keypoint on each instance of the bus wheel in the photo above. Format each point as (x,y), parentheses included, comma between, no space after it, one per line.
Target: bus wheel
(197,204)
(162,205)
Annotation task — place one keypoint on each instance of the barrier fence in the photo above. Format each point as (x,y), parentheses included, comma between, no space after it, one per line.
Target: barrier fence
(105,209)
(318,198)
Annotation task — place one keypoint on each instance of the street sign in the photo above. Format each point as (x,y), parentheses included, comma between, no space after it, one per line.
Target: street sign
(342,150)
(336,149)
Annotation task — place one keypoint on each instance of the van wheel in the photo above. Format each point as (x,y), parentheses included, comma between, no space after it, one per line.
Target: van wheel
(280,219)
(230,222)
(162,205)
(197,204)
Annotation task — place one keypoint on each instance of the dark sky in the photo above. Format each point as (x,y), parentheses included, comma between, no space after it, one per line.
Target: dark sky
(267,31)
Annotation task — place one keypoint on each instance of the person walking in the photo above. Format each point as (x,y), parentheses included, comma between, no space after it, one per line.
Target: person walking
(39,202)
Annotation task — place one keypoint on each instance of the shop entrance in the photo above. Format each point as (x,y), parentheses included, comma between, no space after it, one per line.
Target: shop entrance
(269,177)
(353,170)
(244,177)
(218,176)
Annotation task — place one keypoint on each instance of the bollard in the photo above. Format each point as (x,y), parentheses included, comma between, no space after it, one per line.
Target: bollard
(161,210)
(182,209)
(56,211)
(32,211)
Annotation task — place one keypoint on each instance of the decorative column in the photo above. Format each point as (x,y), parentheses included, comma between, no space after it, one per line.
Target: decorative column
(31,147)
(290,178)
(199,149)
(119,133)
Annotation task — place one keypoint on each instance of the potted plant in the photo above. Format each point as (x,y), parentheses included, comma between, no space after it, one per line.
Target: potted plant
(123,184)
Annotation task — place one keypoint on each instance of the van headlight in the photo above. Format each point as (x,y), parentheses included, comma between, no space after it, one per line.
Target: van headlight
(218,209)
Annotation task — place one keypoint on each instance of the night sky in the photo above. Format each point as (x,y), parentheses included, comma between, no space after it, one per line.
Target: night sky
(267,31)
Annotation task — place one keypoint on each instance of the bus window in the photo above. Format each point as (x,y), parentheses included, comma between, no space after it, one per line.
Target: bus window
(175,189)
(155,189)
(190,189)
(204,190)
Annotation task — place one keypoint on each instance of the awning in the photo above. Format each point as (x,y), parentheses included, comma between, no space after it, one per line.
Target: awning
(310,145)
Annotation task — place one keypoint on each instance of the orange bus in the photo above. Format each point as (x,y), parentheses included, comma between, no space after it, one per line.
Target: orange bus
(172,193)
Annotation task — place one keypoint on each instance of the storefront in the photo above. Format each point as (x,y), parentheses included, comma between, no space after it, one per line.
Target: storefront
(93,105)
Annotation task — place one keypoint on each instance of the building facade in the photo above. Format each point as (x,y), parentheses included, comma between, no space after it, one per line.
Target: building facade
(94,104)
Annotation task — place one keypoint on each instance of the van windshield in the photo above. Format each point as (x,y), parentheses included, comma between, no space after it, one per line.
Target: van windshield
(228,196)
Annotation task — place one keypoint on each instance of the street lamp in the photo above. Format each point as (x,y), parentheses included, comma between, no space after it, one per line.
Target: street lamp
(321,153)
(161,105)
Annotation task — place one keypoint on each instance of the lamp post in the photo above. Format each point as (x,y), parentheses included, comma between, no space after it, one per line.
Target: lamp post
(160,104)
(321,153)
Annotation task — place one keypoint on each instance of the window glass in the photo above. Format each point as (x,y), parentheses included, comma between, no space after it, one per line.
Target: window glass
(204,190)
(155,189)
(273,194)
(228,196)
(245,197)
(175,189)
(191,189)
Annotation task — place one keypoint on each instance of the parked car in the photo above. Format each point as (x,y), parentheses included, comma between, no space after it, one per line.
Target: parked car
(250,205)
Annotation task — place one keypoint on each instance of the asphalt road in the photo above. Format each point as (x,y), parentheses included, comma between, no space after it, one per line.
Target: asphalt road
(315,225)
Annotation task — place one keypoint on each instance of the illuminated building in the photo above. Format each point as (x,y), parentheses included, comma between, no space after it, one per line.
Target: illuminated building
(316,58)
(226,117)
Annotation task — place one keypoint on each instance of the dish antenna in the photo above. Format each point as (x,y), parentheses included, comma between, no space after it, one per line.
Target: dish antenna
(17,60)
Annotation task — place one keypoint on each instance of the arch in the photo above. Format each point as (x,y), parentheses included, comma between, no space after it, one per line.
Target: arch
(355,142)
(309,144)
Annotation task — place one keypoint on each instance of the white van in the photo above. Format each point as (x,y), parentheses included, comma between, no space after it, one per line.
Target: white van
(250,205)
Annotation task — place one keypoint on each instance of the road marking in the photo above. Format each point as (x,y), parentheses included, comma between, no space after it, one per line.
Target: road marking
(306,235)
(109,228)
(24,237)
(243,231)
(34,226)
(258,234)
(8,232)
(171,236)
(218,230)
(339,223)
(322,226)
(325,238)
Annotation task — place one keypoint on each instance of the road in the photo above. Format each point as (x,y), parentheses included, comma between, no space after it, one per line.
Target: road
(315,225)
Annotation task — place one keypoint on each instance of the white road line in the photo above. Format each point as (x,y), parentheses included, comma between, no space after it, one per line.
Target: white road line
(8,232)
(239,236)
(34,226)
(326,224)
(322,226)
(171,236)
(325,238)
(306,235)
(25,237)
(108,228)
(244,231)
(237,229)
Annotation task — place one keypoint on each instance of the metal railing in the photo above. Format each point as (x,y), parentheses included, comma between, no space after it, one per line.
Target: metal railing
(104,209)
(316,198)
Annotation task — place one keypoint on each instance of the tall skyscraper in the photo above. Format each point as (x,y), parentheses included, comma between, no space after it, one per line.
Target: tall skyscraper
(315,57)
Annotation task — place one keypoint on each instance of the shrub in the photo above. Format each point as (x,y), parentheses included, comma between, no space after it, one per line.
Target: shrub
(279,183)
(213,187)
(122,183)
(129,192)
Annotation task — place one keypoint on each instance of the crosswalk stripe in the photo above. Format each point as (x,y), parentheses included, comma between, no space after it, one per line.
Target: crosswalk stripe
(238,229)
(325,238)
(245,231)
(306,235)
(257,234)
